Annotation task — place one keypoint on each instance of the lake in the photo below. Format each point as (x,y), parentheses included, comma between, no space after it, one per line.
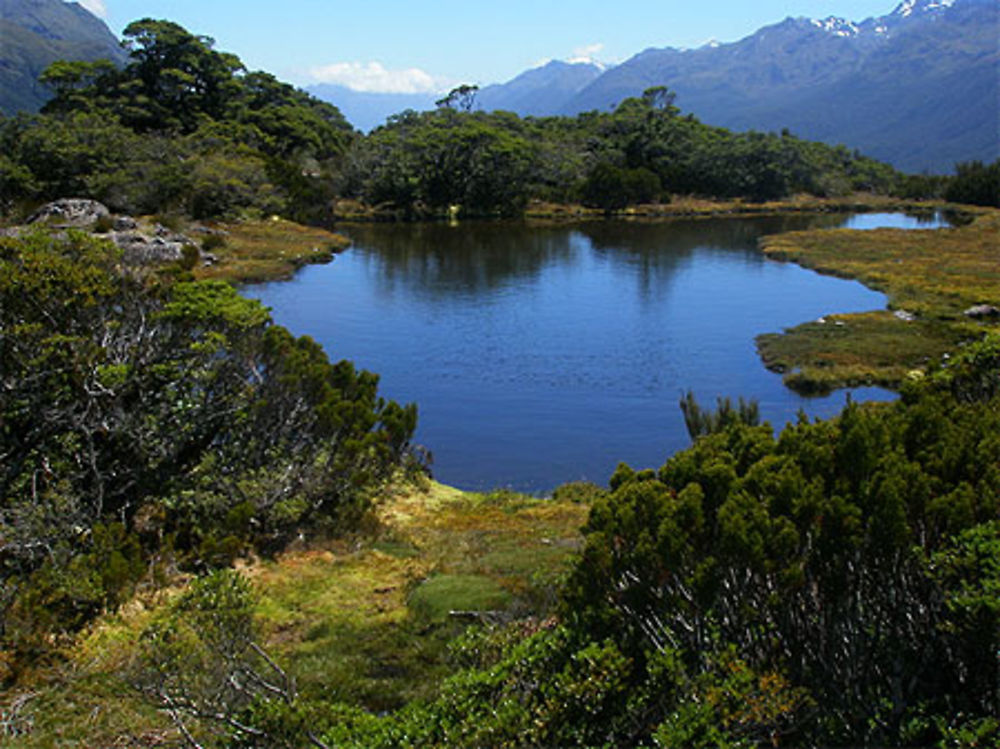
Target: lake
(540,355)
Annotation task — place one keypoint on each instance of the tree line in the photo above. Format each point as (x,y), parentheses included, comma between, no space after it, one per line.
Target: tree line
(187,129)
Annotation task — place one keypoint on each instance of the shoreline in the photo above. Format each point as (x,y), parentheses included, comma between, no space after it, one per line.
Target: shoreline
(881,347)
(352,212)
(933,278)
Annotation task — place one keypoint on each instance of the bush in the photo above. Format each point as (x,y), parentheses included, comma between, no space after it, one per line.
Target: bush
(975,183)
(141,409)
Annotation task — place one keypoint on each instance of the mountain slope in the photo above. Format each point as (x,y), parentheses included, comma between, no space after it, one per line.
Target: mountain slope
(35,33)
(539,91)
(918,87)
(536,92)
(366,110)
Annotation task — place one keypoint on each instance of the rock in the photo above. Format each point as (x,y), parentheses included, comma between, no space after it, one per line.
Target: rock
(210,231)
(902,314)
(139,249)
(76,212)
(983,312)
(125,223)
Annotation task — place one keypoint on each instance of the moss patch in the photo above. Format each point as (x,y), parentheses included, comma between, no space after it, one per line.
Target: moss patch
(442,595)
(268,250)
(369,624)
(364,621)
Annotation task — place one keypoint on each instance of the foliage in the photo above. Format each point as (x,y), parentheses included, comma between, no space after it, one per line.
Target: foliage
(613,188)
(532,684)
(140,420)
(492,164)
(179,127)
(700,422)
(975,183)
(856,557)
(200,660)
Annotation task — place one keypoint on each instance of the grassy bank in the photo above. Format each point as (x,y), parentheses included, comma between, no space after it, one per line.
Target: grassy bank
(683,206)
(930,276)
(273,249)
(265,250)
(678,206)
(364,620)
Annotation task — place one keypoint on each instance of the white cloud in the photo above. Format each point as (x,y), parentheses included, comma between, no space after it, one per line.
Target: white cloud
(586,53)
(97,7)
(375,77)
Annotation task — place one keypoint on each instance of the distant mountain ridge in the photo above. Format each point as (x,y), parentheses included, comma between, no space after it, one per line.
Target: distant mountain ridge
(366,110)
(917,88)
(35,33)
(539,91)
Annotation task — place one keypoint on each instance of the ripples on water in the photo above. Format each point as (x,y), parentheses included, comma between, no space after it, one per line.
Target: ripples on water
(544,355)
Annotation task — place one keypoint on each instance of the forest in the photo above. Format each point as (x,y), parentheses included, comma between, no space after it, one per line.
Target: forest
(836,583)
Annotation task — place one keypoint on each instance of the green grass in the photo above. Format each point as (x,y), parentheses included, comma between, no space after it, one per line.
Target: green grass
(370,624)
(873,348)
(933,275)
(437,597)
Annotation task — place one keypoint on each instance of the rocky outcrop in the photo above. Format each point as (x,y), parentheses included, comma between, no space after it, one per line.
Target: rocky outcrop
(983,312)
(139,247)
(142,249)
(70,213)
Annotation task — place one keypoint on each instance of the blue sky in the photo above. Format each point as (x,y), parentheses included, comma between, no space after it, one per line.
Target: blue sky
(432,45)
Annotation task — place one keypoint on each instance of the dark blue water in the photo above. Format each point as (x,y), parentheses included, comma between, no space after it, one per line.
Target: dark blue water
(544,355)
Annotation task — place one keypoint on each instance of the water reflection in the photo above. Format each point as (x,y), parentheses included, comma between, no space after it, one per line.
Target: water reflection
(539,355)
(438,259)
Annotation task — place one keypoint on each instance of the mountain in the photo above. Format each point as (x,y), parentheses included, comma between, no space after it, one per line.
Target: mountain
(35,33)
(366,110)
(540,91)
(918,87)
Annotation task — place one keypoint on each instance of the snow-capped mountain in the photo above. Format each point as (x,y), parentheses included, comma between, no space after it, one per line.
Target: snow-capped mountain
(918,86)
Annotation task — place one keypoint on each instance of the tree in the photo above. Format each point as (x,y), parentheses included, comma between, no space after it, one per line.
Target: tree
(179,75)
(68,79)
(975,183)
(660,98)
(461,98)
(612,188)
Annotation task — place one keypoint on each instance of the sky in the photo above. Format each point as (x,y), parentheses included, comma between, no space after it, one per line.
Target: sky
(432,45)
